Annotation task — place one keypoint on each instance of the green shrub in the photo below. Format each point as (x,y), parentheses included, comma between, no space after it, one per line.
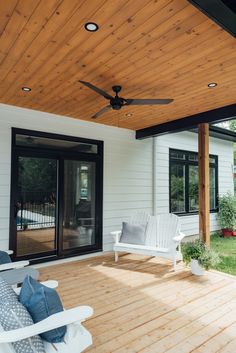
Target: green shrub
(192,250)
(227,211)
(197,250)
(209,259)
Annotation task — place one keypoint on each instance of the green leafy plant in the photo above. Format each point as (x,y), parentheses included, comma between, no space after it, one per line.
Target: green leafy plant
(209,259)
(227,211)
(197,250)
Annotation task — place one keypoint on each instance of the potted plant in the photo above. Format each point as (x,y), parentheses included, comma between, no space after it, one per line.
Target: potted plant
(199,256)
(227,214)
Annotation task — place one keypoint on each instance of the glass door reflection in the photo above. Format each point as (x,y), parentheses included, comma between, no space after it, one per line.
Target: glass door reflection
(35,206)
(78,204)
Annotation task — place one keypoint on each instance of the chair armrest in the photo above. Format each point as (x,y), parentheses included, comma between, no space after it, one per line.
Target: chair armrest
(63,318)
(9,252)
(117,235)
(13,265)
(50,284)
(179,237)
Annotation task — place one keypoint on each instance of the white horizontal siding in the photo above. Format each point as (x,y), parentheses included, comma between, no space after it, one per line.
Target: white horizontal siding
(188,141)
(127,165)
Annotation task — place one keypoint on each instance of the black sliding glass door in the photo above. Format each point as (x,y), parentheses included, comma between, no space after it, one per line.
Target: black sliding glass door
(56,196)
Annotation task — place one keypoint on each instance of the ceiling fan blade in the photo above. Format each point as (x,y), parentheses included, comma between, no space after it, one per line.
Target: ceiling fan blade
(97,90)
(102,111)
(148,101)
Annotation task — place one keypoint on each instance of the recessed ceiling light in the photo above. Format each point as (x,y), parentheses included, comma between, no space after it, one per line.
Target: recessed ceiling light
(128,115)
(91,26)
(212,84)
(26,89)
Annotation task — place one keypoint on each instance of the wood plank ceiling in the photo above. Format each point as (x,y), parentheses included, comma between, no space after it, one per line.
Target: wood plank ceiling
(153,48)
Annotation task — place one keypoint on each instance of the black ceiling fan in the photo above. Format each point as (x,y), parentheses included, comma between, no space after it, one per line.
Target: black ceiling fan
(117,102)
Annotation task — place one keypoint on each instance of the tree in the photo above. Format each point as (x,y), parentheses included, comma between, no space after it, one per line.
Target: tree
(232,125)
(37,178)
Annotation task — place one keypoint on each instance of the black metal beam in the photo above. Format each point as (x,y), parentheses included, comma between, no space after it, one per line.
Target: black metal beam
(222,134)
(222,12)
(218,132)
(189,122)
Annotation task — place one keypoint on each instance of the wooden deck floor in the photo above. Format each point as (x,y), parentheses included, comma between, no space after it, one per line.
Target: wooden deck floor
(140,305)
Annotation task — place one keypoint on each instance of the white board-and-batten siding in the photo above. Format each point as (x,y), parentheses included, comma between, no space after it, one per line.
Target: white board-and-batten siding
(128,167)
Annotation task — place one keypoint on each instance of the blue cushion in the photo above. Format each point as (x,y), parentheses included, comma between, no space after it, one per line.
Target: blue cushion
(42,302)
(29,287)
(4,258)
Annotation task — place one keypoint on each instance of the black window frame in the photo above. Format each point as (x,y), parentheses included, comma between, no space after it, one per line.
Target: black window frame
(186,162)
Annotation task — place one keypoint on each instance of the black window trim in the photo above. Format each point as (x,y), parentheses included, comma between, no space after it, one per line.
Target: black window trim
(189,162)
(59,154)
(55,136)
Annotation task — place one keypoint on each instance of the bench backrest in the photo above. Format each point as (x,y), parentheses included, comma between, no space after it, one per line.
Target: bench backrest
(140,217)
(161,230)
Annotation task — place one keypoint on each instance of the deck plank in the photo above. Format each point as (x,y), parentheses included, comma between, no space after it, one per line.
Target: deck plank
(141,305)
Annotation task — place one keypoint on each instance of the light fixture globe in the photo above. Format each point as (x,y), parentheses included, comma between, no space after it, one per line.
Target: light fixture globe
(212,84)
(91,26)
(26,89)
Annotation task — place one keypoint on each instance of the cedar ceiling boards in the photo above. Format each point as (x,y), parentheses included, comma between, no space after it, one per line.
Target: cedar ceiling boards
(154,49)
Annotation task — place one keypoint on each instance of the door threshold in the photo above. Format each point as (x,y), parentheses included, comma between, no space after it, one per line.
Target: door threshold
(68,259)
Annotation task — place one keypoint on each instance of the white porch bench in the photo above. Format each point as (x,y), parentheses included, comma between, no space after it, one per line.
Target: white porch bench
(162,238)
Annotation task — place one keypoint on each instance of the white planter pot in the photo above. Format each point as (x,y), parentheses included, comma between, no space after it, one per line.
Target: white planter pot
(196,269)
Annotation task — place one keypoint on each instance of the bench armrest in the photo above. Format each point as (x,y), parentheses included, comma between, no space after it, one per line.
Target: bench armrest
(116,234)
(13,265)
(179,237)
(63,318)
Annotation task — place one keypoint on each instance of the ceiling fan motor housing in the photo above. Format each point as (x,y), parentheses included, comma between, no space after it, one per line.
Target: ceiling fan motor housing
(117,102)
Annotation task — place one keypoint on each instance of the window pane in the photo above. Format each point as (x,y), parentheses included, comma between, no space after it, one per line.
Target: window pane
(193,157)
(193,188)
(212,160)
(177,188)
(177,155)
(79,204)
(212,189)
(44,142)
(36,205)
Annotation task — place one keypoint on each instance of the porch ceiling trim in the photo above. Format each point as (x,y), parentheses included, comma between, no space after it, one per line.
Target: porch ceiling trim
(189,122)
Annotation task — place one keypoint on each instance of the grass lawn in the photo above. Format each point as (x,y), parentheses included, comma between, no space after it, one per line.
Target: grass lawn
(226,248)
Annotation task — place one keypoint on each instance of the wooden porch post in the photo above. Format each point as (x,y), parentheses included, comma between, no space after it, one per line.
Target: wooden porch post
(203,186)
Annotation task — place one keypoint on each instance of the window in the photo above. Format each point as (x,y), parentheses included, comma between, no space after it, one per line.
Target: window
(184,182)
(33,140)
